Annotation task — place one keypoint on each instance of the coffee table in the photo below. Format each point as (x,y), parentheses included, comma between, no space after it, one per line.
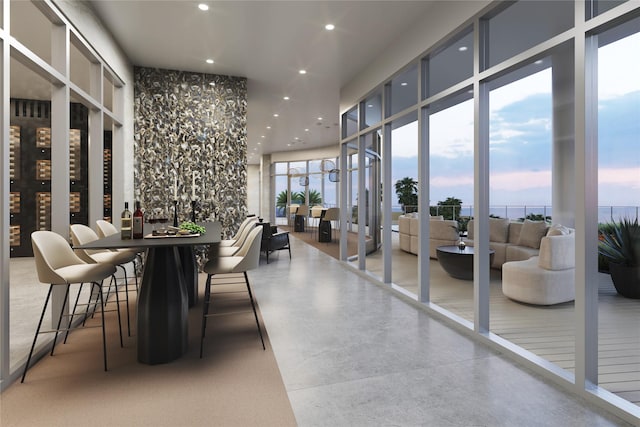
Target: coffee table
(458,262)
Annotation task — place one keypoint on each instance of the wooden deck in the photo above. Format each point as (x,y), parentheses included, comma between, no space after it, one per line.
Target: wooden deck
(548,332)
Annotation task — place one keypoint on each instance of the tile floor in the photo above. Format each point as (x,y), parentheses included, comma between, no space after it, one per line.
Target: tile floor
(351,353)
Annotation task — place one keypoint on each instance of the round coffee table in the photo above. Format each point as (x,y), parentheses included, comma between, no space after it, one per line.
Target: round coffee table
(458,262)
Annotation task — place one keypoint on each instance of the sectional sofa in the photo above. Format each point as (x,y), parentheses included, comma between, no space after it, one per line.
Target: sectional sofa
(512,241)
(442,233)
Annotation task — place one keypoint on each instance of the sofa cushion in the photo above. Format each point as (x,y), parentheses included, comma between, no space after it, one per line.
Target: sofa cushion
(520,253)
(443,230)
(531,234)
(558,252)
(498,230)
(558,230)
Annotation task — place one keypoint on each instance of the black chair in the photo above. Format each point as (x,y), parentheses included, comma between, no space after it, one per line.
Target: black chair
(272,240)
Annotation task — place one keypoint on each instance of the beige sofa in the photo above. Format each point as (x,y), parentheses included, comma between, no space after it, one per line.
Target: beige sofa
(545,279)
(512,241)
(442,233)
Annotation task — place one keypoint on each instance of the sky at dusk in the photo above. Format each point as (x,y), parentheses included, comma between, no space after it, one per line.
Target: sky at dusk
(521,138)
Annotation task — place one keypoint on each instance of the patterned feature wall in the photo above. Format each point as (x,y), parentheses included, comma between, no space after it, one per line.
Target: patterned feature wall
(190,128)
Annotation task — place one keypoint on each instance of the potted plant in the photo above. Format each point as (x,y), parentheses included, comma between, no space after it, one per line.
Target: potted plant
(620,246)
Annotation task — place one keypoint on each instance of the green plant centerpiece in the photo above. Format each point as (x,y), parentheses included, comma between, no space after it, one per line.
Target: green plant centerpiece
(192,227)
(620,246)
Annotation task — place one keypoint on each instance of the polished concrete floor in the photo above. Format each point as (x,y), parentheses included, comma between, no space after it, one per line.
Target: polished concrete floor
(352,353)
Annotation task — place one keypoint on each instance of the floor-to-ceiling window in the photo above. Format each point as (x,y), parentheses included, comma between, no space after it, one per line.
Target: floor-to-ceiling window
(618,200)
(520,113)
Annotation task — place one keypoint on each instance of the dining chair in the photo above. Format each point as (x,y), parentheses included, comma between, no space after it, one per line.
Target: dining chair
(105,228)
(248,258)
(316,213)
(58,265)
(331,215)
(301,218)
(237,244)
(291,212)
(81,235)
(246,223)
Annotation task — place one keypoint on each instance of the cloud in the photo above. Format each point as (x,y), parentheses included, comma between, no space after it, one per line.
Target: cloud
(628,177)
(618,69)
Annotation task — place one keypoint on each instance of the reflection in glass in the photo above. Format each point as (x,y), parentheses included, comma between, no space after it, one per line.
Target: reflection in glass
(532,21)
(350,122)
(450,65)
(372,109)
(404,90)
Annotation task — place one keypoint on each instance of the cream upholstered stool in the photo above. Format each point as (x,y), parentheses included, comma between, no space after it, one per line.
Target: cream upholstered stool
(80,235)
(58,265)
(247,258)
(316,213)
(301,218)
(332,214)
(248,221)
(232,249)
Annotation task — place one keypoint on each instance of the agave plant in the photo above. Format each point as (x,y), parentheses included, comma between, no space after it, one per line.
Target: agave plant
(620,243)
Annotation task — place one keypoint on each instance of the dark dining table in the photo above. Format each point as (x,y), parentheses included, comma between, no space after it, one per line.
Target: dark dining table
(169,287)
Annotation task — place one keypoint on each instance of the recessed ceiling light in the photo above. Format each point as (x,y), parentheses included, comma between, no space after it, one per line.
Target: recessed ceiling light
(296,138)
(302,71)
(306,130)
(203,6)
(462,48)
(276,115)
(288,145)
(262,136)
(319,118)
(259,143)
(209,61)
(329,27)
(268,127)
(404,84)
(286,98)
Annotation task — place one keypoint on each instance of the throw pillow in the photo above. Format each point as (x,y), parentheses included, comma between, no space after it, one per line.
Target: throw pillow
(498,230)
(531,234)
(558,230)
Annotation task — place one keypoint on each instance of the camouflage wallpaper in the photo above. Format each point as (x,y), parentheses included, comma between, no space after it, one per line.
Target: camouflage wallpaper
(191,144)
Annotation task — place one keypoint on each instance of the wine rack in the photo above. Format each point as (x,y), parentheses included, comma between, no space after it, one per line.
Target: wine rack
(43,137)
(43,211)
(14,152)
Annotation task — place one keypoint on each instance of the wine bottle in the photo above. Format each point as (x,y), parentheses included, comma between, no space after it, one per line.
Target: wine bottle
(125,222)
(138,222)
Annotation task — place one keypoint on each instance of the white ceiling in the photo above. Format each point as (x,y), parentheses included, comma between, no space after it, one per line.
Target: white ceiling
(267,42)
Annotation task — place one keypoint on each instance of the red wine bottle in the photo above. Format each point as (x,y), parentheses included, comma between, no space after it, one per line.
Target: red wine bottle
(138,222)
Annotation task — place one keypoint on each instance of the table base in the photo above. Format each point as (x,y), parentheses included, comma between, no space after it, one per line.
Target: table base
(162,308)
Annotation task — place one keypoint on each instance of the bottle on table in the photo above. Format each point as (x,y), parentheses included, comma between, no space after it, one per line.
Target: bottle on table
(138,222)
(125,222)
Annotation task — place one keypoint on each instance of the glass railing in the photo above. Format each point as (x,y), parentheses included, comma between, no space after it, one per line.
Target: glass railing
(520,212)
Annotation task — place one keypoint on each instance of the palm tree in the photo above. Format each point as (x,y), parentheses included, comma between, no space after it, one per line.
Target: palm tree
(314,198)
(282,200)
(407,192)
